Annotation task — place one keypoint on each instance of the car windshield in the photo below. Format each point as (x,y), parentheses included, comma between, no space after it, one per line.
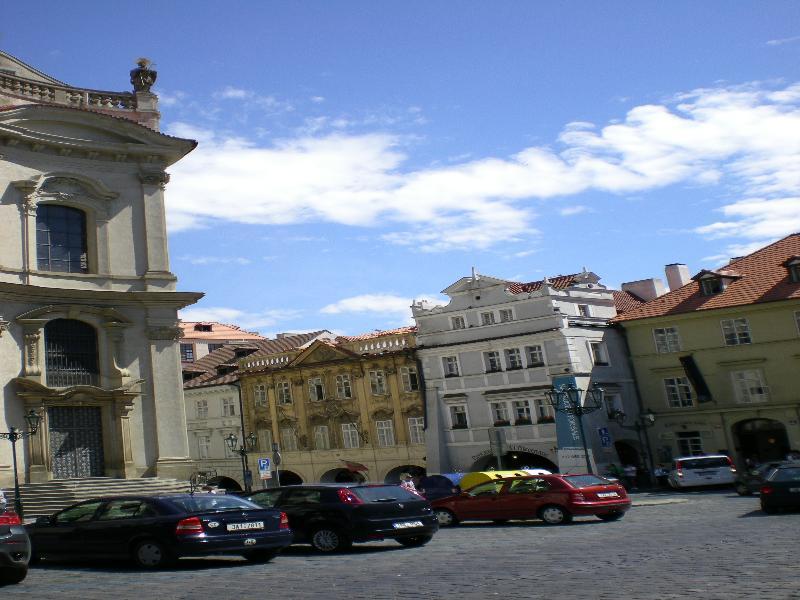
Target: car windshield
(580,481)
(705,463)
(786,474)
(384,493)
(211,503)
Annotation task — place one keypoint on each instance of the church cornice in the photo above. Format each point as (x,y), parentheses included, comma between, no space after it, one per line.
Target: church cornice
(31,293)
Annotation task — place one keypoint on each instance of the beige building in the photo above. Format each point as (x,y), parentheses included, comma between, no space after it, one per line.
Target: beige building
(88,305)
(717,358)
(343,410)
(200,338)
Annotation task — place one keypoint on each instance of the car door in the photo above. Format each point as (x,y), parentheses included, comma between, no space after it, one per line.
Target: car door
(524,497)
(116,523)
(482,501)
(303,506)
(63,534)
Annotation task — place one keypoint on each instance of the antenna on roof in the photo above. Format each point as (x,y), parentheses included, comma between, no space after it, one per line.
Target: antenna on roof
(475,276)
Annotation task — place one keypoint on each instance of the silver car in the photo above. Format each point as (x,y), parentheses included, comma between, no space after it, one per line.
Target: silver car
(15,548)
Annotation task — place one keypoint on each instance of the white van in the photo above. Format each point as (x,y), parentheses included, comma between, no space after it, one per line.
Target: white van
(713,469)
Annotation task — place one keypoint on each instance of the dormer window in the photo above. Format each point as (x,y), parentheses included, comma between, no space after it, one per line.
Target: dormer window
(203,327)
(793,266)
(711,286)
(715,282)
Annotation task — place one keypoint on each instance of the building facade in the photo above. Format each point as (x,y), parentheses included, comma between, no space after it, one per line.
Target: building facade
(199,338)
(89,327)
(718,358)
(490,355)
(348,409)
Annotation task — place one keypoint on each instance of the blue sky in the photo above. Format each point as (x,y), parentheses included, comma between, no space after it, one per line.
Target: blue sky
(357,155)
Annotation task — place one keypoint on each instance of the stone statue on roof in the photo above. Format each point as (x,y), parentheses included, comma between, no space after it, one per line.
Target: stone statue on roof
(143,77)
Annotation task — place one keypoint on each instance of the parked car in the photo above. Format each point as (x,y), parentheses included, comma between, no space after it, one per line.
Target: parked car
(781,489)
(437,486)
(332,517)
(693,471)
(15,548)
(750,481)
(154,531)
(553,498)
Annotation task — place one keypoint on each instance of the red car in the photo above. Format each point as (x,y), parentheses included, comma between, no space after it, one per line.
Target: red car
(553,498)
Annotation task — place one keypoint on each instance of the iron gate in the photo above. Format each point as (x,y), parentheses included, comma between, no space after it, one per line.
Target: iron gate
(76,441)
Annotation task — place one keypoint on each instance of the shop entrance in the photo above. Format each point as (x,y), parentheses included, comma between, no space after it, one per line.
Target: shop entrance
(761,440)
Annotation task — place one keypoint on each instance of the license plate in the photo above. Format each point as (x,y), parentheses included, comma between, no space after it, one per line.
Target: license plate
(607,495)
(245,526)
(407,524)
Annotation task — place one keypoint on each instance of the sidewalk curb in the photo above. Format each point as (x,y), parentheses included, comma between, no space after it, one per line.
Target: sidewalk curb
(658,502)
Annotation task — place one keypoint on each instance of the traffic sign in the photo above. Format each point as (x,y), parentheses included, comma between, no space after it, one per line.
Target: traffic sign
(264,470)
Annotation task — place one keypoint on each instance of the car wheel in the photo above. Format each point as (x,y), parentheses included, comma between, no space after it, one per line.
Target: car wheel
(555,515)
(13,575)
(770,510)
(743,490)
(613,516)
(329,539)
(151,554)
(417,540)
(445,517)
(261,556)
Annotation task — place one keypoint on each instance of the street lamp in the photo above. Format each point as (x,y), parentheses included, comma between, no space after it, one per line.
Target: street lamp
(32,420)
(567,399)
(641,423)
(249,442)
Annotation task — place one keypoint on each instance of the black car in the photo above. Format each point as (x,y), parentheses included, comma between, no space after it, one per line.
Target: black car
(750,481)
(433,487)
(781,489)
(154,531)
(332,517)
(15,548)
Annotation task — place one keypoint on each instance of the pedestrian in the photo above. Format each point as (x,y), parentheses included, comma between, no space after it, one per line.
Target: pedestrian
(3,502)
(407,482)
(630,476)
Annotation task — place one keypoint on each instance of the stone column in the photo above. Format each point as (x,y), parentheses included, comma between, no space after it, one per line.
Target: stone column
(38,446)
(155,228)
(27,209)
(123,451)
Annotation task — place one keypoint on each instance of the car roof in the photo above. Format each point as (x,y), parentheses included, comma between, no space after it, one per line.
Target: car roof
(701,456)
(326,486)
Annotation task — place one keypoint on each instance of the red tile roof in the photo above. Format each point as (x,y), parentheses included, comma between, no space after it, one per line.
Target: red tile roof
(376,334)
(763,277)
(625,301)
(219,331)
(559,282)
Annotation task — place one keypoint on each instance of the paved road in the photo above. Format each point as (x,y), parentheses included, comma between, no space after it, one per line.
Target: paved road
(713,545)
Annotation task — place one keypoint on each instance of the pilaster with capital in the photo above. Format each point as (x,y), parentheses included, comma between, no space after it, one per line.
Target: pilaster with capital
(27,211)
(155,228)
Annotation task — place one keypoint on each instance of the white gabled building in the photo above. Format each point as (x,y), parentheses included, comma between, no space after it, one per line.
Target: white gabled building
(492,352)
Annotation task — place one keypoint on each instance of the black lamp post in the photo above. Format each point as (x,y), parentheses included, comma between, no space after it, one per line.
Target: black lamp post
(567,399)
(249,442)
(640,424)
(13,435)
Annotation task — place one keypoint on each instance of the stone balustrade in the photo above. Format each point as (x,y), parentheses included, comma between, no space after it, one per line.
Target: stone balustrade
(66,96)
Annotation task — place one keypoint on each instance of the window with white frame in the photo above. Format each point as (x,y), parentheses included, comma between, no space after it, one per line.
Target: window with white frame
(499,413)
(260,395)
(316,389)
(458,416)
(458,323)
(535,355)
(711,286)
(284,389)
(599,354)
(492,362)
(350,435)
(288,439)
(385,430)
(793,266)
(513,358)
(667,339)
(410,379)
(203,445)
(690,443)
(584,310)
(522,412)
(506,315)
(187,352)
(613,404)
(377,382)
(545,413)
(228,407)
(416,430)
(749,386)
(343,387)
(736,331)
(265,440)
(487,318)
(322,439)
(679,392)
(202,409)
(450,366)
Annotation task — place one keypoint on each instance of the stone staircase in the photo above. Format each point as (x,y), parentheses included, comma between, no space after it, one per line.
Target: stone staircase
(48,497)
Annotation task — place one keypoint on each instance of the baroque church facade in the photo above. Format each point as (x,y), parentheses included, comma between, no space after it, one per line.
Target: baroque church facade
(88,306)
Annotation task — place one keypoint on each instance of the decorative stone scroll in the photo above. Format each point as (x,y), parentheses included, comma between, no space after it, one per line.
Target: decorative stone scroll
(164,333)
(160,178)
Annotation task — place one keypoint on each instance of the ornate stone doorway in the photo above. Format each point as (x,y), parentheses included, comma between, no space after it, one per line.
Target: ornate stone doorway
(761,440)
(76,441)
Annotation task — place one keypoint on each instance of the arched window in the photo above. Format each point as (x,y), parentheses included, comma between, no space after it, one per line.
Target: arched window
(61,239)
(70,353)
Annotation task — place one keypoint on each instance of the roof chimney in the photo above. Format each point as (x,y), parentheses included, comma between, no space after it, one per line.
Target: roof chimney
(646,289)
(677,275)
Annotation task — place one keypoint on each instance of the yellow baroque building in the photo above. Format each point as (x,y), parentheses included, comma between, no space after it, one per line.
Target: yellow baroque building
(348,409)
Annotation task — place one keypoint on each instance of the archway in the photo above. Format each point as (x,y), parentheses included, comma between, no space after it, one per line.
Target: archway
(342,476)
(761,440)
(393,476)
(225,483)
(628,453)
(513,461)
(289,478)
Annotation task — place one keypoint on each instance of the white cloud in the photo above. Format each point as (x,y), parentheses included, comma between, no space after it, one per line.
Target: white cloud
(568,211)
(216,260)
(233,93)
(782,41)
(234,316)
(385,304)
(745,138)
(317,99)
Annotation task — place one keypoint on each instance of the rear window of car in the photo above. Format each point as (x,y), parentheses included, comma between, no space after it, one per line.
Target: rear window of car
(210,503)
(580,481)
(383,493)
(705,463)
(786,474)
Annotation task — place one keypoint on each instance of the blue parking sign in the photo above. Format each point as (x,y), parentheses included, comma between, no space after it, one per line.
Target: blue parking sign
(605,437)
(264,468)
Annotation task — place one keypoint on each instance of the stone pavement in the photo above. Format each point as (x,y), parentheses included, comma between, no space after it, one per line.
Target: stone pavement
(709,544)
